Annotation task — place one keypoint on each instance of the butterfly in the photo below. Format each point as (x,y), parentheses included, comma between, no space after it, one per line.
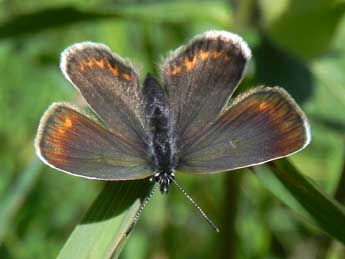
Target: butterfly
(183,122)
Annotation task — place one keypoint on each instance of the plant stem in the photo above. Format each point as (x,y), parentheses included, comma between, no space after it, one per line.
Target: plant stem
(228,230)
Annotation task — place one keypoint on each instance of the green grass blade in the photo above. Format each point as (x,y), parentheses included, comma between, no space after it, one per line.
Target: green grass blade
(303,196)
(12,202)
(102,233)
(28,24)
(179,13)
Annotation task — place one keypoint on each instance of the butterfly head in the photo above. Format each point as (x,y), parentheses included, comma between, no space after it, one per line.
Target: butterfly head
(164,179)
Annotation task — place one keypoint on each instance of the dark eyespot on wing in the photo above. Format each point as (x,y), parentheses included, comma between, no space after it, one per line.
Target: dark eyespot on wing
(109,85)
(200,77)
(71,142)
(262,125)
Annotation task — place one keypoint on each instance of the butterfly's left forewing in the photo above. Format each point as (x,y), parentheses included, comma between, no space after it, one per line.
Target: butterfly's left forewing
(260,126)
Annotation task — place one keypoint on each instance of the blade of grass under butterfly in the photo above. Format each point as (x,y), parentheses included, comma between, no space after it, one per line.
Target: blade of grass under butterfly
(303,196)
(102,233)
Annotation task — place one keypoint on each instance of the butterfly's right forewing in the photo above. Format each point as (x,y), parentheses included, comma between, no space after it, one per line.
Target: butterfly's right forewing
(109,85)
(199,79)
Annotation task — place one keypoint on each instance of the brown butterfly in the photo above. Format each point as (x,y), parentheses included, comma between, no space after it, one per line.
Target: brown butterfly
(179,124)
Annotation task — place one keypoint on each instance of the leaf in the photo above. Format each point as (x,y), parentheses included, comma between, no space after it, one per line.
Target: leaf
(56,17)
(46,19)
(275,67)
(303,196)
(107,225)
(329,97)
(305,28)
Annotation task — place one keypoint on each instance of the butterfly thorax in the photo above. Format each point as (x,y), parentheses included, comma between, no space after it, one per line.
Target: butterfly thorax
(162,141)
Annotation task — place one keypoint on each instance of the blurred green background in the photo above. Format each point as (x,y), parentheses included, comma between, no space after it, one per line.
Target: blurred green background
(299,45)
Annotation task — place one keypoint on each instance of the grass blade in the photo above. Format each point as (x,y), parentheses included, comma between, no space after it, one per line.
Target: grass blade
(303,196)
(102,233)
(27,24)
(12,202)
(53,17)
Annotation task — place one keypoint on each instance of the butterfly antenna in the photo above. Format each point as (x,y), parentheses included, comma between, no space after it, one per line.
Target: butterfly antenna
(141,208)
(196,206)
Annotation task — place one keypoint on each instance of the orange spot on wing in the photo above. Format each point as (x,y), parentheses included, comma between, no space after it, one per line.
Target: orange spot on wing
(68,123)
(175,71)
(263,106)
(113,69)
(204,55)
(216,54)
(190,64)
(126,77)
(100,63)
(61,130)
(92,62)
(103,63)
(86,63)
(89,63)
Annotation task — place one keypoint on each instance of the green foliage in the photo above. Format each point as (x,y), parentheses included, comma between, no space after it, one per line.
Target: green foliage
(285,210)
(108,223)
(297,23)
(302,195)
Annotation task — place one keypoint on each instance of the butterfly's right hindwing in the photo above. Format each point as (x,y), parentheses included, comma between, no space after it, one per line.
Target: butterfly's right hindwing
(73,143)
(262,125)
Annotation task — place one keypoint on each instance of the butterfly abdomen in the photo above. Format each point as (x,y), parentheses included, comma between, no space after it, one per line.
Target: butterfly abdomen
(160,130)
